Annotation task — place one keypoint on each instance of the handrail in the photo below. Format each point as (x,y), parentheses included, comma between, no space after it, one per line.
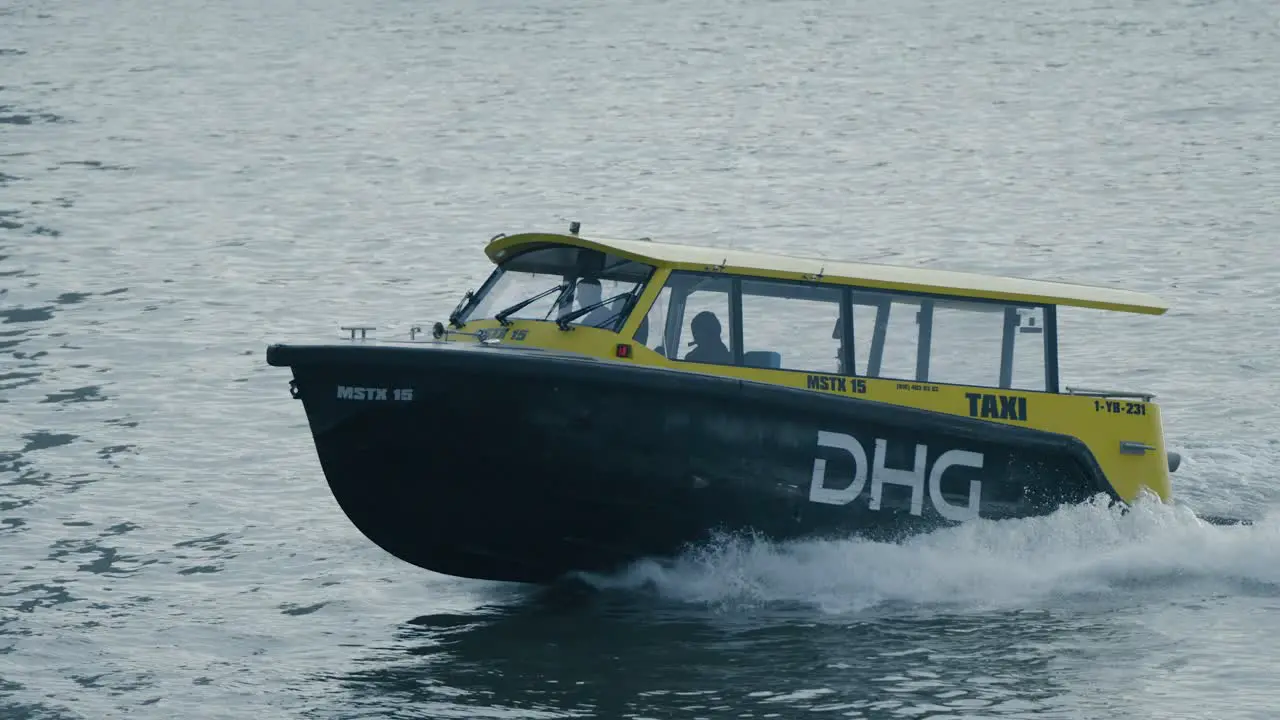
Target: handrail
(1110,393)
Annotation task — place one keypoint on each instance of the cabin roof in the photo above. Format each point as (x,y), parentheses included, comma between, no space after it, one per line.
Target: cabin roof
(869,275)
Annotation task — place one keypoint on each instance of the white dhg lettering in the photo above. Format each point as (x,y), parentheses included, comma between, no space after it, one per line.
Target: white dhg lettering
(818,492)
(881,475)
(947,460)
(913,478)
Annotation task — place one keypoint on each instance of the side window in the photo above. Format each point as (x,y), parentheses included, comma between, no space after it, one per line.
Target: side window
(690,319)
(704,330)
(864,327)
(886,334)
(1029,360)
(790,326)
(966,343)
(987,344)
(969,343)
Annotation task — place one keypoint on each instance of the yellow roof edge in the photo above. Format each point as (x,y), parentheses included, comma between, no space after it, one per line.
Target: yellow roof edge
(869,275)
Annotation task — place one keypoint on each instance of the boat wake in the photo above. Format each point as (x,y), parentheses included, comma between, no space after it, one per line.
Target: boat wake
(1080,552)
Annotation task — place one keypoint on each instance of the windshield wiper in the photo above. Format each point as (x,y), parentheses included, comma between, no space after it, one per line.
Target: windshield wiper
(564,320)
(501,317)
(455,317)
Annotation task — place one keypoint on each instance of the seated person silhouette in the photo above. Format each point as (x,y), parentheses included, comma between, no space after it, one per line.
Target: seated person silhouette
(706,337)
(589,294)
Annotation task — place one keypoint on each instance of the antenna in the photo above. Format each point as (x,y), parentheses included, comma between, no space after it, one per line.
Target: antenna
(574,227)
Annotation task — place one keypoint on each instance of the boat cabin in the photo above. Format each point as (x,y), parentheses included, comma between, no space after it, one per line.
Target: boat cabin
(678,305)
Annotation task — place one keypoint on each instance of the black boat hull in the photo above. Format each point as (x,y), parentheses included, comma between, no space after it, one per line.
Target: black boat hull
(525,466)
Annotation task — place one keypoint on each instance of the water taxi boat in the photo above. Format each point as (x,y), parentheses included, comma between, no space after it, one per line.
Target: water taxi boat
(599,401)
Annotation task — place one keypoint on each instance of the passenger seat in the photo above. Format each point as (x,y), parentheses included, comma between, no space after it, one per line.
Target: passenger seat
(762,359)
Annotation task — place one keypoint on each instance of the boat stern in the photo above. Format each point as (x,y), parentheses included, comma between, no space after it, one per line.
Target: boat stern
(1125,432)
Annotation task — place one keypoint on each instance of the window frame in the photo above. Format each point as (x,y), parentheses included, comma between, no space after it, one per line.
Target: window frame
(847,350)
(842,295)
(676,304)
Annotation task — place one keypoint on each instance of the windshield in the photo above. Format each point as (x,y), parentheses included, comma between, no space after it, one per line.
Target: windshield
(567,279)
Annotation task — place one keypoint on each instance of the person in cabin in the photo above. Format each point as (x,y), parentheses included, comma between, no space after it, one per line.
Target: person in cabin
(589,294)
(707,343)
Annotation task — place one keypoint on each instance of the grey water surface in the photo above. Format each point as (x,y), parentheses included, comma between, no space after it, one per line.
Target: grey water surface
(183,183)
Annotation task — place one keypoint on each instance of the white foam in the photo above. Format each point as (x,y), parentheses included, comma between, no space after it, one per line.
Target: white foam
(1080,550)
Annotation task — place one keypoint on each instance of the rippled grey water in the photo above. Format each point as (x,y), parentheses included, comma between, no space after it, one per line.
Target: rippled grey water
(182,183)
